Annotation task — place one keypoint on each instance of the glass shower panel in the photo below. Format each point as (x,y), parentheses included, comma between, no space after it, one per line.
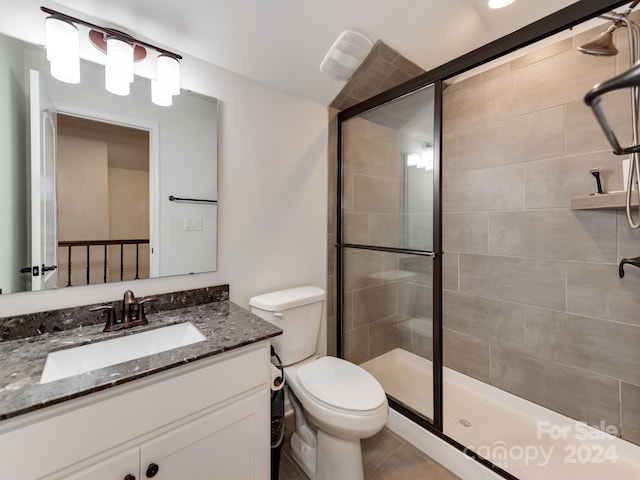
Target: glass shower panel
(387,242)
(388,322)
(388,174)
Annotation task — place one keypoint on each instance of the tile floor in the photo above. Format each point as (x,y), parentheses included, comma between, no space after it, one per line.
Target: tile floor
(386,456)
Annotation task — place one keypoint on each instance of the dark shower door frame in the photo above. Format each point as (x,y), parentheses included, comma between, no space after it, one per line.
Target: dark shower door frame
(564,19)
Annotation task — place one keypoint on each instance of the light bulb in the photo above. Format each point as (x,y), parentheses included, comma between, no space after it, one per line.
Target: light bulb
(160,94)
(63,49)
(119,68)
(169,73)
(426,158)
(499,3)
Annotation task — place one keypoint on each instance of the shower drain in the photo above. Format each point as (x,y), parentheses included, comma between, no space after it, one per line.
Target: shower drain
(464,422)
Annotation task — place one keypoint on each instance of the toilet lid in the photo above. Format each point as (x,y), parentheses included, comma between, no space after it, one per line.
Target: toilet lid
(341,384)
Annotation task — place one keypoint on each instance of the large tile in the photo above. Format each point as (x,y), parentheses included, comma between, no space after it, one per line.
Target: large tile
(384,336)
(588,236)
(289,470)
(378,448)
(421,337)
(465,232)
(407,462)
(553,182)
(415,301)
(514,140)
(601,346)
(450,262)
(484,318)
(631,413)
(597,291)
(374,195)
(449,153)
(557,80)
(356,228)
(542,53)
(361,268)
(466,354)
(374,303)
(384,230)
(478,100)
(628,238)
(579,394)
(583,133)
(496,188)
(356,345)
(521,280)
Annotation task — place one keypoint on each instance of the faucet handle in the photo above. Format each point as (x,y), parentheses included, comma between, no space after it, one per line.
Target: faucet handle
(111,324)
(140,315)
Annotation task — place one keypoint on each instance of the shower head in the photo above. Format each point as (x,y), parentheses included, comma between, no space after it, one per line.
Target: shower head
(602,46)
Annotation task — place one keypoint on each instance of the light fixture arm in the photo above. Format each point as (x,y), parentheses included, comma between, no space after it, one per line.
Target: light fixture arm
(110,32)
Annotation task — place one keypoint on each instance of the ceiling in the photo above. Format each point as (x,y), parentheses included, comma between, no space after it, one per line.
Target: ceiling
(282,42)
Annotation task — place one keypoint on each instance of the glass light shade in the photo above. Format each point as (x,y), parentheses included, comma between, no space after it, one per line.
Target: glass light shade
(160,94)
(499,3)
(169,73)
(426,158)
(412,159)
(119,68)
(63,49)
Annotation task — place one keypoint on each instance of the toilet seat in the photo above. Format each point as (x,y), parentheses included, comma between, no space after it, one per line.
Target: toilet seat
(341,386)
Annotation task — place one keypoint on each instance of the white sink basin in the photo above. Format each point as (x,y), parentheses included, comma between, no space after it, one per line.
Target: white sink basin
(86,358)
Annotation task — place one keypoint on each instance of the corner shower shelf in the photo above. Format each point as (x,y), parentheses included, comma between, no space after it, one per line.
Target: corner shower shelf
(612,200)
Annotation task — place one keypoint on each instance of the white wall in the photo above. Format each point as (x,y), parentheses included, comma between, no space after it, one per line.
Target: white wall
(272,181)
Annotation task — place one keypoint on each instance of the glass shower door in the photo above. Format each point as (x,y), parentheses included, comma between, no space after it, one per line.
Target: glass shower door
(386,246)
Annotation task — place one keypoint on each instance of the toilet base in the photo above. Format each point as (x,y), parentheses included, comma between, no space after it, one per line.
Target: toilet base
(334,458)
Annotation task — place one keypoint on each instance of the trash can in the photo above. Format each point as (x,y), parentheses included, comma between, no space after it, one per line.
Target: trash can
(277,417)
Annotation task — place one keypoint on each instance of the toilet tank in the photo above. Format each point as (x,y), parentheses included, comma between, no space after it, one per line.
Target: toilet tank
(297,311)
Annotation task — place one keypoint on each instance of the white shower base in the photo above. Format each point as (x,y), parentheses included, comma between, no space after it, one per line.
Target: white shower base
(525,439)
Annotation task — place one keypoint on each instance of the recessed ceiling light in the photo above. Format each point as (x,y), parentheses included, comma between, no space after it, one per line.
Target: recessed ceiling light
(500,3)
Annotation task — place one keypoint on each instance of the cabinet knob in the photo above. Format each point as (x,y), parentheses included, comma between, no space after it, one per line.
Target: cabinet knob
(152,469)
(130,477)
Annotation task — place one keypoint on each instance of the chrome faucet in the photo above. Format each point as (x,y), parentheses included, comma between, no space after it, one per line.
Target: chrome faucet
(133,313)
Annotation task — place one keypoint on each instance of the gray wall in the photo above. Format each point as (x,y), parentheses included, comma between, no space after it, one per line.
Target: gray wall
(532,301)
(13,166)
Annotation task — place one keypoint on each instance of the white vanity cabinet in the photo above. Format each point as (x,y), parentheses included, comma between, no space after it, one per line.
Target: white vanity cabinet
(205,420)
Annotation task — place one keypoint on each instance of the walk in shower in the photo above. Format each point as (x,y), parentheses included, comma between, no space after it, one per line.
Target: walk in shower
(389,257)
(477,277)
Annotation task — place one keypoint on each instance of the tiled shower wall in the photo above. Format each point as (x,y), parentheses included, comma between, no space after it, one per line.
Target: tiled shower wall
(532,299)
(384,292)
(383,68)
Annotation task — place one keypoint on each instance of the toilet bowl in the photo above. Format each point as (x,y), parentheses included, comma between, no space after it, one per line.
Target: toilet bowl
(336,403)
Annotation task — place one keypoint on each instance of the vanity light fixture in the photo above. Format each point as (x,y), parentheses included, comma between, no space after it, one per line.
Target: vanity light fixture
(499,3)
(63,49)
(424,159)
(118,73)
(121,50)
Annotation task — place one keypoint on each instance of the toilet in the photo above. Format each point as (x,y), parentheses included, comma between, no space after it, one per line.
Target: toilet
(336,403)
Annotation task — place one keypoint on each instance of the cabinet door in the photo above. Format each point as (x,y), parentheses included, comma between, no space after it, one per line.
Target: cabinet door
(113,468)
(232,443)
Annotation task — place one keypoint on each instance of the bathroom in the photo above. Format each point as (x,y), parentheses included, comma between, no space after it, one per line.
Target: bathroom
(252,187)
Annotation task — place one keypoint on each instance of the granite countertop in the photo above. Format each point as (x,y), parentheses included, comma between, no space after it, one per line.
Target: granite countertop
(226,326)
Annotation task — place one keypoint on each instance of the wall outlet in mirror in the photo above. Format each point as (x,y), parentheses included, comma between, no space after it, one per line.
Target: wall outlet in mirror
(192,224)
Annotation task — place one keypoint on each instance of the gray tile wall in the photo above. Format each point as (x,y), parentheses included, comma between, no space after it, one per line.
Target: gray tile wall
(532,300)
(387,296)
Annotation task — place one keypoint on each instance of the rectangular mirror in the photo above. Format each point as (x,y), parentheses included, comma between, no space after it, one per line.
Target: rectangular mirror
(86,178)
